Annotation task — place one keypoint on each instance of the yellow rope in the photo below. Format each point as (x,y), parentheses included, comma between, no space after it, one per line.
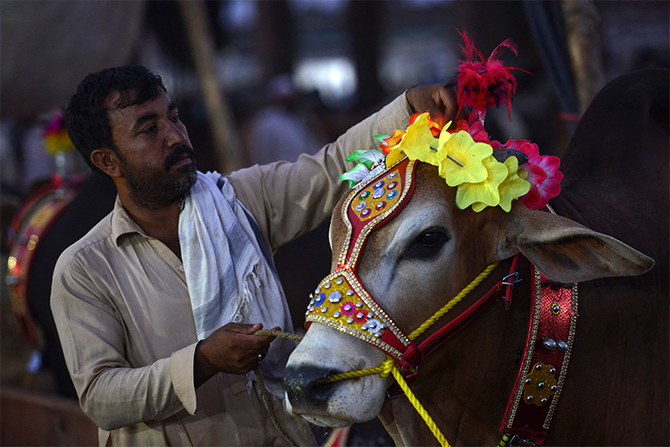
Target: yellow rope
(419,408)
(384,369)
(504,442)
(273,333)
(455,300)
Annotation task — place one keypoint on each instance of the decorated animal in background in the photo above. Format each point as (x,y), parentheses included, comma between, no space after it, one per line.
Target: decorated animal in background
(444,213)
(51,219)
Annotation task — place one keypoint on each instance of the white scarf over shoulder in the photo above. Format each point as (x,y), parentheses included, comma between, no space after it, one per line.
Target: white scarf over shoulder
(228,278)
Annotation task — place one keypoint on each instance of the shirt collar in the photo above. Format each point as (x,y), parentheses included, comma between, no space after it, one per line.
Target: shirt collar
(122,223)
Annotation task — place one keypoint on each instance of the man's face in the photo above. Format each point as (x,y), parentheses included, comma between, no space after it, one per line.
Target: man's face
(154,150)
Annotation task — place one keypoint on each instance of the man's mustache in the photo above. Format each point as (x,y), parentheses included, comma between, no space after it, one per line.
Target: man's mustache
(176,154)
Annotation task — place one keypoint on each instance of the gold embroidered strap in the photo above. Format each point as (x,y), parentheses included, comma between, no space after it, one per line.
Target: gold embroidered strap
(371,204)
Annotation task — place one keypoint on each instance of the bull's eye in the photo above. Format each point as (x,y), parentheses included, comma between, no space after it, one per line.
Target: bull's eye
(427,245)
(431,238)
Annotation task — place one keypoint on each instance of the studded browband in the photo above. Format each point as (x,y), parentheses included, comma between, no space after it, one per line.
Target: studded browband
(342,302)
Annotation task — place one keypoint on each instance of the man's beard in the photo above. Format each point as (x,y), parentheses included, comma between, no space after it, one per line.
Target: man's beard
(154,189)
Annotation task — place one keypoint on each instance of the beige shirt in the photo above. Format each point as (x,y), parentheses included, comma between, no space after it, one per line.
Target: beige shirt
(123,314)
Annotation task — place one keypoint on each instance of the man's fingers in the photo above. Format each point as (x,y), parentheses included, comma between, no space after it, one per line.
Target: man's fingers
(438,99)
(445,105)
(234,347)
(243,328)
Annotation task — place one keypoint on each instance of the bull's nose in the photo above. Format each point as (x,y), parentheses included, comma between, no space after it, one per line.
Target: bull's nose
(305,388)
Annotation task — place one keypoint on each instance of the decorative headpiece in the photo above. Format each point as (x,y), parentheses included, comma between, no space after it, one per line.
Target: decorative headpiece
(486,172)
(56,139)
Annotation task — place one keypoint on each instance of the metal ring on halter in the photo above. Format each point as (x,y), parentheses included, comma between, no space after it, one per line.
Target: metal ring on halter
(517,279)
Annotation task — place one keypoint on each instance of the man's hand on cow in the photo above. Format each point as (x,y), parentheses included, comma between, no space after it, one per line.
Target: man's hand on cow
(232,348)
(438,99)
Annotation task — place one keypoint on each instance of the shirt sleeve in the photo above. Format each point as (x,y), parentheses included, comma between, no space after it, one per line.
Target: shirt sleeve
(289,199)
(112,392)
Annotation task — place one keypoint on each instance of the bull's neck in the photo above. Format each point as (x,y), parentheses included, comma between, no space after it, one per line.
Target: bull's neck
(465,385)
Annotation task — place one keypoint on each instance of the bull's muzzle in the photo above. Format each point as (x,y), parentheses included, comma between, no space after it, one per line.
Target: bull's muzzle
(306,389)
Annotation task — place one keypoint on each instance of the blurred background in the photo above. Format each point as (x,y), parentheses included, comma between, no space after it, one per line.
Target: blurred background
(256,81)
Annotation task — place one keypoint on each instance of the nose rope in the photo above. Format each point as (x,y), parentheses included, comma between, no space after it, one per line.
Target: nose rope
(389,366)
(384,370)
(280,334)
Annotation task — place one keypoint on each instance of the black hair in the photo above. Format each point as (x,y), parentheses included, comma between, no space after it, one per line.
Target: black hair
(86,117)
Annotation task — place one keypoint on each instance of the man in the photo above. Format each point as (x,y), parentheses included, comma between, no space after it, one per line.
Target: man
(157,306)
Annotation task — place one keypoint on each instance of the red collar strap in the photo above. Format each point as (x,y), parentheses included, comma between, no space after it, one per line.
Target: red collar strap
(544,366)
(502,288)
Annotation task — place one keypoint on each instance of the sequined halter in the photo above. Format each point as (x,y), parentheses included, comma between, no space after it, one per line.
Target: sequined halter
(340,301)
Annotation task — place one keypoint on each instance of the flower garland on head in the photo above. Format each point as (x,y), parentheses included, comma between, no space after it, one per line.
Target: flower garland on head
(484,171)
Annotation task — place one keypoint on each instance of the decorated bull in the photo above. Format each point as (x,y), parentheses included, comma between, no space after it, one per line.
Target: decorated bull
(463,306)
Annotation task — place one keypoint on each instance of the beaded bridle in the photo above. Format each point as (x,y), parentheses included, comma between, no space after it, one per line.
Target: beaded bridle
(341,301)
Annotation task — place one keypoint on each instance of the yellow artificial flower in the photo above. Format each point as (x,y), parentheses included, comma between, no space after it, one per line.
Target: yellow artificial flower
(394,157)
(463,162)
(479,206)
(484,193)
(461,159)
(418,143)
(514,186)
(394,154)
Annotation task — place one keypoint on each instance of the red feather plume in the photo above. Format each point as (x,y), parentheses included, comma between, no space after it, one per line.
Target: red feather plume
(483,83)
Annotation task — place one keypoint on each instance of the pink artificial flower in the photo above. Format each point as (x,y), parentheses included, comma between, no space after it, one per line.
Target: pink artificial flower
(475,128)
(542,173)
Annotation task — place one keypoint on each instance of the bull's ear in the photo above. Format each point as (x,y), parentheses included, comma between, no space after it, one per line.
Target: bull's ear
(568,252)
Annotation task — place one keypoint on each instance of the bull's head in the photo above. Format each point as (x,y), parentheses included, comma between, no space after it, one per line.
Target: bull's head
(414,233)
(400,238)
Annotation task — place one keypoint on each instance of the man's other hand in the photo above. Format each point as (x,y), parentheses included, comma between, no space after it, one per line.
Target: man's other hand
(438,99)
